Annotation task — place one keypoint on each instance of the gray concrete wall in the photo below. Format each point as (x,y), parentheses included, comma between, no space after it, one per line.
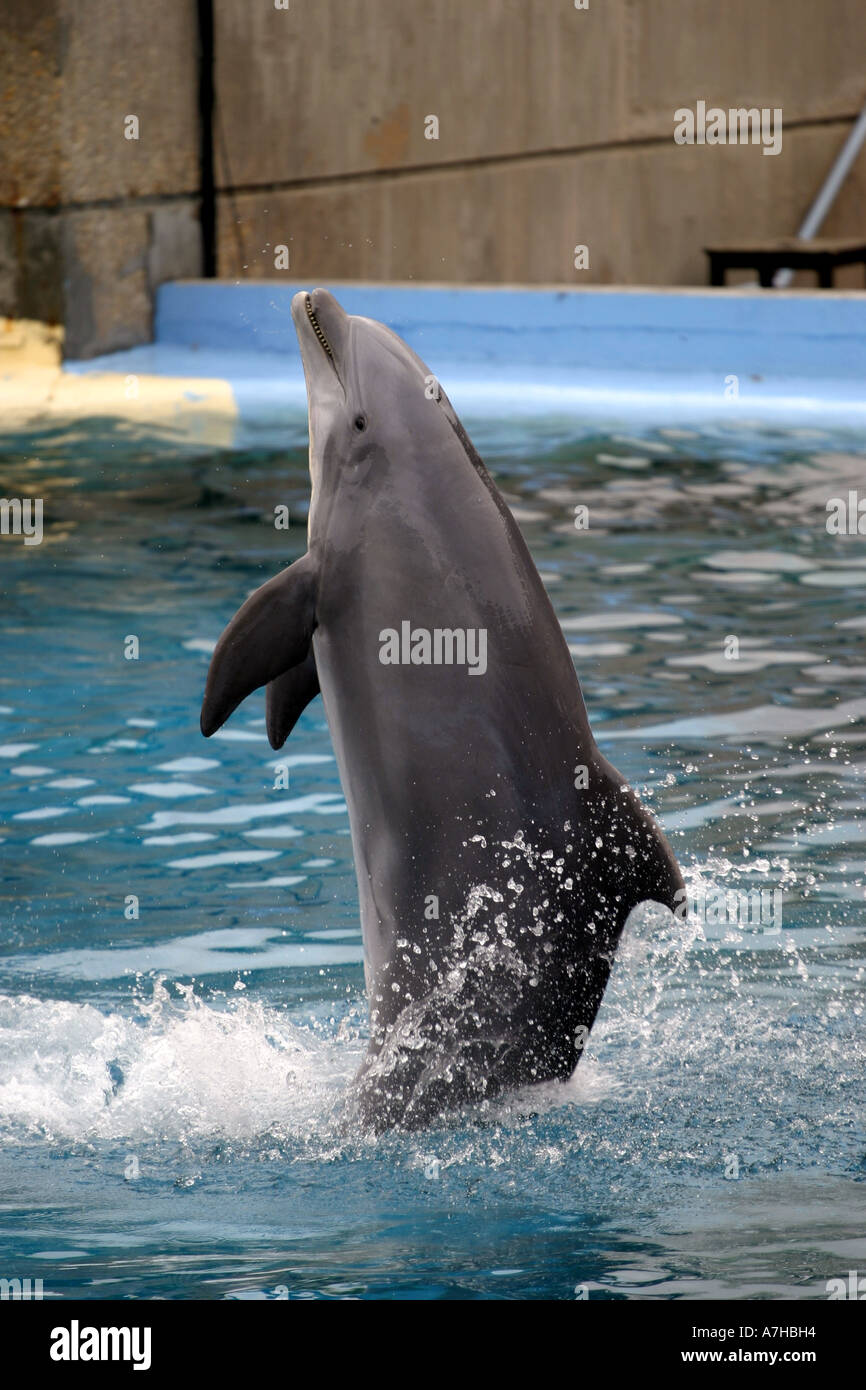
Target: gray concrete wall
(90,221)
(555,129)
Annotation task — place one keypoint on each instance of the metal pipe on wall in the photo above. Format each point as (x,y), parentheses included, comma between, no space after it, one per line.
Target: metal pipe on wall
(829,189)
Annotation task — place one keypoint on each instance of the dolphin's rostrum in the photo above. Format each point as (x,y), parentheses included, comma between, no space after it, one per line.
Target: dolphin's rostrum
(498,853)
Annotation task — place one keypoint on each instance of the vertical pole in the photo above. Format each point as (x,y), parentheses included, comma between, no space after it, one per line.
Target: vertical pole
(207,187)
(830,187)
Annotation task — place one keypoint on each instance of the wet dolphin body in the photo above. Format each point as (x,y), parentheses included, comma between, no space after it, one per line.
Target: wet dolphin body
(498,853)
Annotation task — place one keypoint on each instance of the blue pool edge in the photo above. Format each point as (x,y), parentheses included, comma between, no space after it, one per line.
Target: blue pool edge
(224,364)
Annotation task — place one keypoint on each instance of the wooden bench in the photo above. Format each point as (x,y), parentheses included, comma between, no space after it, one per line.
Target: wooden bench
(821,255)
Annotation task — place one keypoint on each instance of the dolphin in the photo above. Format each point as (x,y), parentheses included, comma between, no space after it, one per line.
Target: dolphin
(498,853)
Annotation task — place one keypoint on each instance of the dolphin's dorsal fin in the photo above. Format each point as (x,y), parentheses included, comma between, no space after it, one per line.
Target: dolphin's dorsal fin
(269,634)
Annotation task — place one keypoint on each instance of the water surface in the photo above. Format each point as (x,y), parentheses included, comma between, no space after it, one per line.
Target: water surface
(171,1082)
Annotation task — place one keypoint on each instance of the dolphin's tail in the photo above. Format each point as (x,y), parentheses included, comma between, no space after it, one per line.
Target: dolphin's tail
(626,861)
(633,853)
(651,872)
(507,1011)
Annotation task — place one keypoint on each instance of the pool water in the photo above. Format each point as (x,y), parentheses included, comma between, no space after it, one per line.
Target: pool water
(181,980)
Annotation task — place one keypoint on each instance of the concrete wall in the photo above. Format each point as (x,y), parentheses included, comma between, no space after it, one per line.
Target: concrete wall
(90,221)
(555,129)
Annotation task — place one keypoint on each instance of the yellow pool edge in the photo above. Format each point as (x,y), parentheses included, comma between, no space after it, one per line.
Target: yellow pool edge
(37,393)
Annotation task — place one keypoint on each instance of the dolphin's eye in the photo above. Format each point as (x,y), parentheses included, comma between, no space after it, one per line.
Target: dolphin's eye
(360,422)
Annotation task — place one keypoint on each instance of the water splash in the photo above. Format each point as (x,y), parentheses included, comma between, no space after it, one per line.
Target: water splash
(184,1068)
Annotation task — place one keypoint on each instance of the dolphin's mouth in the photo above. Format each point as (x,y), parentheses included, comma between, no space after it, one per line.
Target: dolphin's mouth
(317,329)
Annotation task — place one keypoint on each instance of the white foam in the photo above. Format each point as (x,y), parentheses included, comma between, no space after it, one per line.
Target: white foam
(612,618)
(239,736)
(323,803)
(69,837)
(776,561)
(770,721)
(835,579)
(170,791)
(188,765)
(228,856)
(187,1069)
(193,956)
(200,644)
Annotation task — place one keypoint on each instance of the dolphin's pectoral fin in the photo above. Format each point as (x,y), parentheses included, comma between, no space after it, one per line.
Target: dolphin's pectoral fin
(288,697)
(269,634)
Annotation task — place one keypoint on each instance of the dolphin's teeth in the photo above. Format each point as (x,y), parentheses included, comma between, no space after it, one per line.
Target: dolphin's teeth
(311,315)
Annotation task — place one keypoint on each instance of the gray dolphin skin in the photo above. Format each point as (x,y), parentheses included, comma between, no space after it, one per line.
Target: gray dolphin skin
(498,853)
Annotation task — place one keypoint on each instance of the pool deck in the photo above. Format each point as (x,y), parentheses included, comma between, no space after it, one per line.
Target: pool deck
(224,368)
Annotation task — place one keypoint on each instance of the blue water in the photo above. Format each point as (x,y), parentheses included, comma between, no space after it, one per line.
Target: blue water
(171,1083)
